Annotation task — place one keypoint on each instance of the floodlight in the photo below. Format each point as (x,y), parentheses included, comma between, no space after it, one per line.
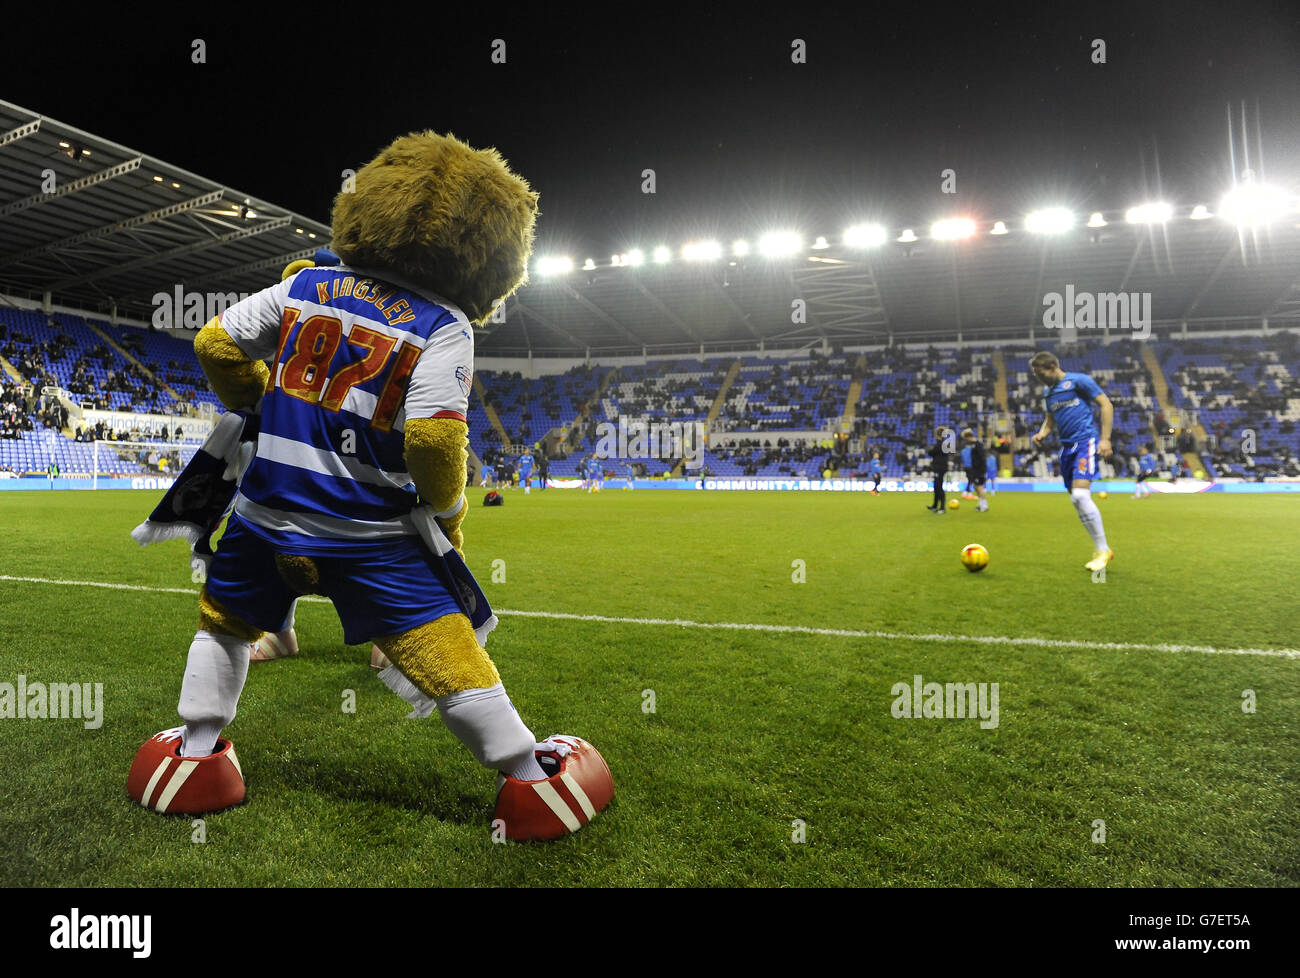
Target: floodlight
(777,243)
(553,265)
(951,229)
(1254,205)
(702,251)
(1049,220)
(1153,213)
(865,236)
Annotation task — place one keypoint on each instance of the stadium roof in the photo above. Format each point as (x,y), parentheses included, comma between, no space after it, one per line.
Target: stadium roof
(120,227)
(1204,272)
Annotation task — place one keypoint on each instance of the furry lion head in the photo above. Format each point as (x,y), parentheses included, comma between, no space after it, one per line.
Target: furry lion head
(444,216)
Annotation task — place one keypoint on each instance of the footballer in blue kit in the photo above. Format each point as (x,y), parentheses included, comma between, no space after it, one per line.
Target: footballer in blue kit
(1147,466)
(1068,399)
(526,471)
(876,470)
(965,456)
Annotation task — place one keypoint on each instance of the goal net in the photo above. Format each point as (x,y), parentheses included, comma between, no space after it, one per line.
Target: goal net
(140,459)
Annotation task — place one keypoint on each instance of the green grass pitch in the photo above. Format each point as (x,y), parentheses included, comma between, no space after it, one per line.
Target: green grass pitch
(757,737)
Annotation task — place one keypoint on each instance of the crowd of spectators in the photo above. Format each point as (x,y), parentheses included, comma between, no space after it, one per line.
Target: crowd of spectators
(19,406)
(510,395)
(34,361)
(15,407)
(653,396)
(799,457)
(800,394)
(102,432)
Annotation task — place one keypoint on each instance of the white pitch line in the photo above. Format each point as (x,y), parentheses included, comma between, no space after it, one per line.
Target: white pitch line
(1050,643)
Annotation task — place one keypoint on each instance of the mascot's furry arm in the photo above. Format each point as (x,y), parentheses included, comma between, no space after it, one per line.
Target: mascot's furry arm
(436,453)
(237,380)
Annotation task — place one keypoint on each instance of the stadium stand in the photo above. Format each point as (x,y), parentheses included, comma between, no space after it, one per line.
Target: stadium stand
(778,419)
(1245,394)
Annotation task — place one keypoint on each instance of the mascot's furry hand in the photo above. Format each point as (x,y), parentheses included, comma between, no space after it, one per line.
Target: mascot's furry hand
(323,256)
(451,527)
(436,454)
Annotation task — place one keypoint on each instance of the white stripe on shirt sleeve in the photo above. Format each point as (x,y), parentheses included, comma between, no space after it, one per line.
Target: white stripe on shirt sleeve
(254,323)
(440,383)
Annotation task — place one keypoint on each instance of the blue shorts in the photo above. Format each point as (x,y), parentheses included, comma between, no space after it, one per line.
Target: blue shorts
(1079,461)
(375,595)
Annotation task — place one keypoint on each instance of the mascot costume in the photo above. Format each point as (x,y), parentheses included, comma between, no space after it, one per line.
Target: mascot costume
(349,452)
(202,496)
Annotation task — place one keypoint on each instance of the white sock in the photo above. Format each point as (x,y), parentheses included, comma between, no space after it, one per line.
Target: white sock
(214,677)
(485,721)
(199,738)
(1090,517)
(288,621)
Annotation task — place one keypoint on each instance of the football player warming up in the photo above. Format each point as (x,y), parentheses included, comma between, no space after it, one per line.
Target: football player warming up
(526,472)
(977,473)
(876,470)
(1068,399)
(356,491)
(939,468)
(1147,466)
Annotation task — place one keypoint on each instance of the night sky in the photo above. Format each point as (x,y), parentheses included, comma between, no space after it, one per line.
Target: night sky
(741,139)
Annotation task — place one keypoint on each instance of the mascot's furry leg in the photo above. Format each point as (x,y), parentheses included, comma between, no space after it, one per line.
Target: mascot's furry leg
(546,790)
(189,769)
(445,662)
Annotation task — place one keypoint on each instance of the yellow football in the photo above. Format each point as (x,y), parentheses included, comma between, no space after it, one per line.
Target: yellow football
(974,557)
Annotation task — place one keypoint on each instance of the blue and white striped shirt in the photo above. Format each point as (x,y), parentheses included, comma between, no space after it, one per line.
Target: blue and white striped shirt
(354,356)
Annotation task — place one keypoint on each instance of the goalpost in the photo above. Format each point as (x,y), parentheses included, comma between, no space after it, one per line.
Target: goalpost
(140,459)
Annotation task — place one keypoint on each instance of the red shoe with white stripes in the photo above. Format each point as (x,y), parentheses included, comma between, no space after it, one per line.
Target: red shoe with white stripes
(166,782)
(274,645)
(564,802)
